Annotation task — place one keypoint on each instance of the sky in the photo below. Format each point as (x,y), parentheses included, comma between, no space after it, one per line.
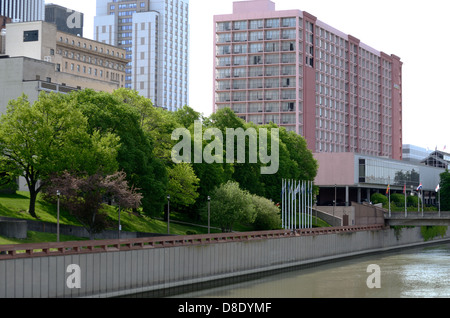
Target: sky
(416,31)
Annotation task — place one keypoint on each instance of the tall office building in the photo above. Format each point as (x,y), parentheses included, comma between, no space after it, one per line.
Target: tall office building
(155,34)
(23,10)
(289,68)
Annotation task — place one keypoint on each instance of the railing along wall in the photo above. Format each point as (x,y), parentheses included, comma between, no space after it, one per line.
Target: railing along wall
(85,247)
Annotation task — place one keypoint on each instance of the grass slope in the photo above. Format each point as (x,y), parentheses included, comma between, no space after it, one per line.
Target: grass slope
(16,206)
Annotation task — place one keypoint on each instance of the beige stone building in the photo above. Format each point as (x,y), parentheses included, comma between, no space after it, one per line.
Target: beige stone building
(56,61)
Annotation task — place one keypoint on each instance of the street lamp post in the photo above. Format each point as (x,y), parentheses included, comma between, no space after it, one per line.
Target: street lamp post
(58,194)
(335,198)
(168,214)
(209,215)
(120,226)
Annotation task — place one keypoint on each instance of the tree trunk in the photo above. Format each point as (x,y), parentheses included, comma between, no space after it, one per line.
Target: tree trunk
(32,207)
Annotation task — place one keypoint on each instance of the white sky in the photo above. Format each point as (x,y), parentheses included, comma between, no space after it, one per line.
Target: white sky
(416,31)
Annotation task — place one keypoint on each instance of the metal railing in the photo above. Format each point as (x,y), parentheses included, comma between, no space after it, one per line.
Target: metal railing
(85,247)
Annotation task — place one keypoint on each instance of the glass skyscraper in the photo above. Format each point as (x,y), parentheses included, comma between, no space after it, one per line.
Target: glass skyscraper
(155,34)
(23,10)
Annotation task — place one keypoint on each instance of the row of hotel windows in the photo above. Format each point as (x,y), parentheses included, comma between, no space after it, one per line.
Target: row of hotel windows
(269,95)
(257,36)
(258,71)
(271,107)
(284,58)
(285,46)
(257,24)
(285,82)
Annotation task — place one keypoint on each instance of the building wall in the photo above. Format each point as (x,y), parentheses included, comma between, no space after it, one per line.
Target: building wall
(333,77)
(70,54)
(66,20)
(16,46)
(30,77)
(336,169)
(92,59)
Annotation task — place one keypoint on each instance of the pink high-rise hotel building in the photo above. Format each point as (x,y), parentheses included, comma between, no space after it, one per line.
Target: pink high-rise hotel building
(289,68)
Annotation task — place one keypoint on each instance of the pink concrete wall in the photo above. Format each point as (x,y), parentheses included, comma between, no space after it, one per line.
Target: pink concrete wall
(252,6)
(335,169)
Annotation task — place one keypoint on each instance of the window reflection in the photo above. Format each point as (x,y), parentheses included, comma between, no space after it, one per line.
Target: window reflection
(387,173)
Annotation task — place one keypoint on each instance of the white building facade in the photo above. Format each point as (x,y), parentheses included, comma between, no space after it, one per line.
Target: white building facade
(155,34)
(23,10)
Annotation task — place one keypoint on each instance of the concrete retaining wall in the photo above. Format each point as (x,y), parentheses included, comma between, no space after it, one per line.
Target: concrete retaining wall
(13,229)
(78,231)
(123,273)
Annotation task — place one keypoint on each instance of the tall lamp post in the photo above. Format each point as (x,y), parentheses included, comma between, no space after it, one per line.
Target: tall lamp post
(209,215)
(168,214)
(58,194)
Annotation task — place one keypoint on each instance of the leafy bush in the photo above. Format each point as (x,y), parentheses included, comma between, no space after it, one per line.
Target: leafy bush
(379,198)
(230,205)
(398,199)
(267,214)
(412,200)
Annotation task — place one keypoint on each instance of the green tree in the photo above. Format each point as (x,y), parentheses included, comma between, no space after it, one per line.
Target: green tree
(231,205)
(186,116)
(124,114)
(183,184)
(247,174)
(51,136)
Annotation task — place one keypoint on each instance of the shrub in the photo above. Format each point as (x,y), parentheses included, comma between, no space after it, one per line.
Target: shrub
(267,214)
(398,199)
(379,198)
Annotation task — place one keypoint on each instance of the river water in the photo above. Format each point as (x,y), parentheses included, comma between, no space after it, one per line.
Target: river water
(410,273)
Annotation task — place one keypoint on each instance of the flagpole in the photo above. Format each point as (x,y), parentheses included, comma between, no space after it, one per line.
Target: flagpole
(304,205)
(295,206)
(283,190)
(290,199)
(389,198)
(406,207)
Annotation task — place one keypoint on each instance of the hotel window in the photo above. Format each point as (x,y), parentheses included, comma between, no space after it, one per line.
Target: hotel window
(256,48)
(239,60)
(256,119)
(272,47)
(256,36)
(256,24)
(269,118)
(238,49)
(240,25)
(288,22)
(272,23)
(272,35)
(240,37)
(255,108)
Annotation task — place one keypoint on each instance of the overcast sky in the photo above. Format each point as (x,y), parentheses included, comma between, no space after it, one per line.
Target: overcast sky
(416,31)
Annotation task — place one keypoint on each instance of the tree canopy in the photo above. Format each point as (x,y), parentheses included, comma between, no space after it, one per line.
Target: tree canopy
(86,132)
(51,136)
